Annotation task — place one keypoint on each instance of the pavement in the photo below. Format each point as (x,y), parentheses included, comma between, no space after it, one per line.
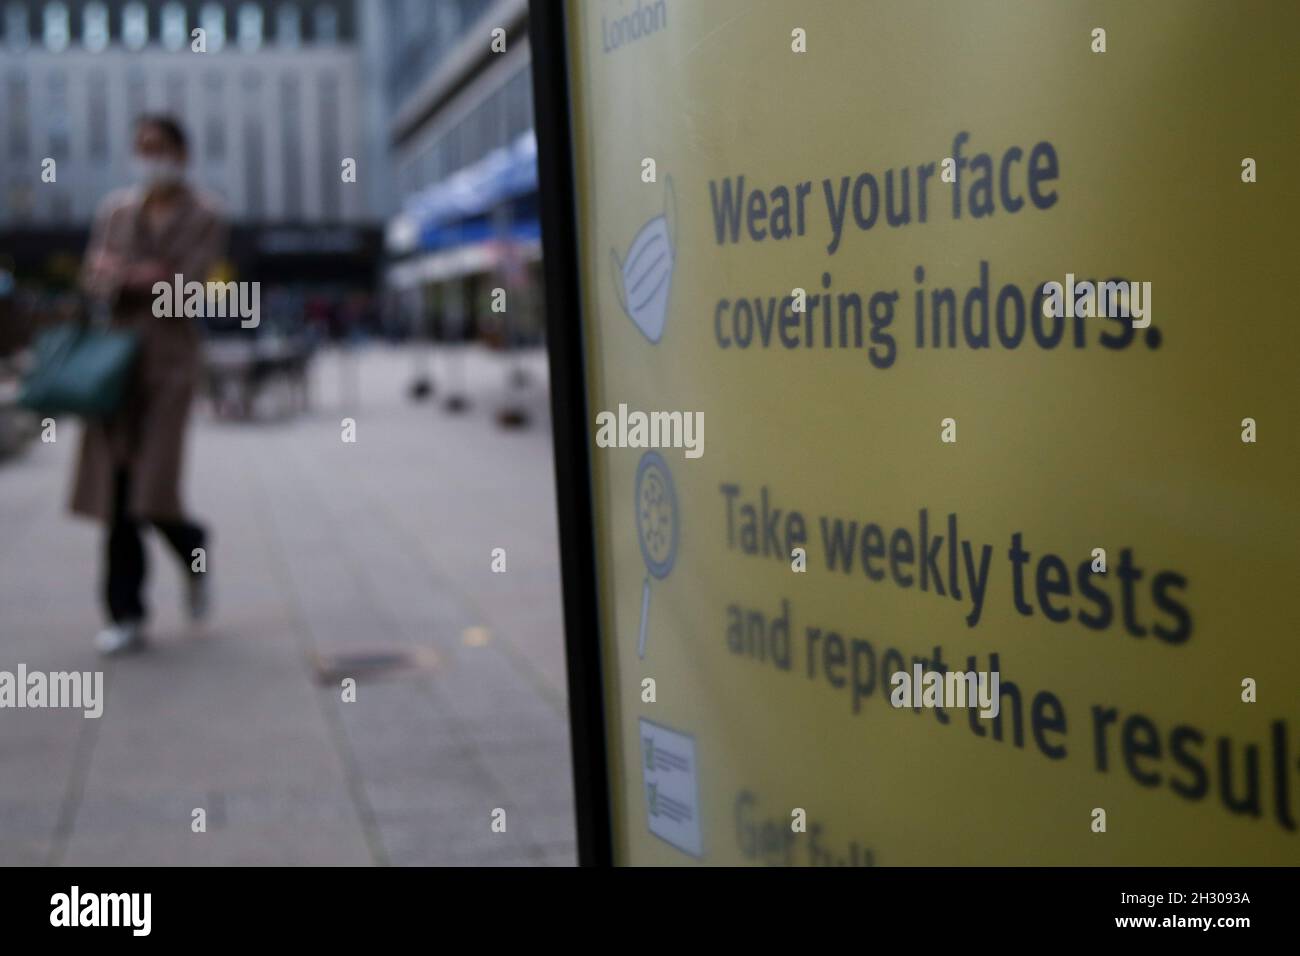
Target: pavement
(326,555)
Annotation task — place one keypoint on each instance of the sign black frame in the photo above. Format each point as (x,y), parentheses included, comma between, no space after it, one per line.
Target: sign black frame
(569,417)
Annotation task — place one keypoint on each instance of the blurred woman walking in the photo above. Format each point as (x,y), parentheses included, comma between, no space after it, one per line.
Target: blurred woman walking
(129,470)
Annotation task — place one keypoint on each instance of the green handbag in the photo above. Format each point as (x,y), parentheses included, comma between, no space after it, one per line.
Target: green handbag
(80,370)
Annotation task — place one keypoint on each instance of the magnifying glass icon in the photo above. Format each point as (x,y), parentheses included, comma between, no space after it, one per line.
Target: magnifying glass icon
(656,527)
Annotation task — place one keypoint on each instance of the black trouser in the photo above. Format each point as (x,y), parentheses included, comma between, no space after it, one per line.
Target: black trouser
(127,567)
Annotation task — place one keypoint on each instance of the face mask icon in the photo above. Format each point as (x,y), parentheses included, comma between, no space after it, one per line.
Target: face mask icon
(656,527)
(645,278)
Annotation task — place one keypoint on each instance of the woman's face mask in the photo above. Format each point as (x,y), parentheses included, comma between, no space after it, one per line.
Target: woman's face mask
(151,171)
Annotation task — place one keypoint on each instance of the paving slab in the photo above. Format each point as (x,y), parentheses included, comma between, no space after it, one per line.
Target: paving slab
(320,549)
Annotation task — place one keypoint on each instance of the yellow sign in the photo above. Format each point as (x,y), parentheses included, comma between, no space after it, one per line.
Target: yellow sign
(940,338)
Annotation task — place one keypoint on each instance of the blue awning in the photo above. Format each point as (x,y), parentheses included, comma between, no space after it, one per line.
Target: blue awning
(479,229)
(503,175)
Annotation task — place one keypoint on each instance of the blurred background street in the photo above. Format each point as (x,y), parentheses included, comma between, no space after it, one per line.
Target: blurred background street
(329,558)
(374,163)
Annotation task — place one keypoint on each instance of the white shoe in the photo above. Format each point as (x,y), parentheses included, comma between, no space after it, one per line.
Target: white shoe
(120,638)
(198,596)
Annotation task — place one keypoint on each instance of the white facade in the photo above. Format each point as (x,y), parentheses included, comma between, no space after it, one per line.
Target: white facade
(269,122)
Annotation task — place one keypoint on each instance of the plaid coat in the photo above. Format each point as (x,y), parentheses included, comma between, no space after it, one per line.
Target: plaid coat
(146,436)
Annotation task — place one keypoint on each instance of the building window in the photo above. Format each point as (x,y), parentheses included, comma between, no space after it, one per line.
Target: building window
(250,26)
(447,24)
(415,14)
(16,100)
(291,145)
(56,118)
(325,24)
(288,25)
(173,26)
(16,35)
(452,147)
(519,105)
(55,27)
(329,146)
(214,132)
(442,157)
(406,178)
(135,25)
(20,201)
(61,207)
(94,26)
(98,119)
(213,21)
(252,147)
(136,95)
(176,94)
(427,165)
